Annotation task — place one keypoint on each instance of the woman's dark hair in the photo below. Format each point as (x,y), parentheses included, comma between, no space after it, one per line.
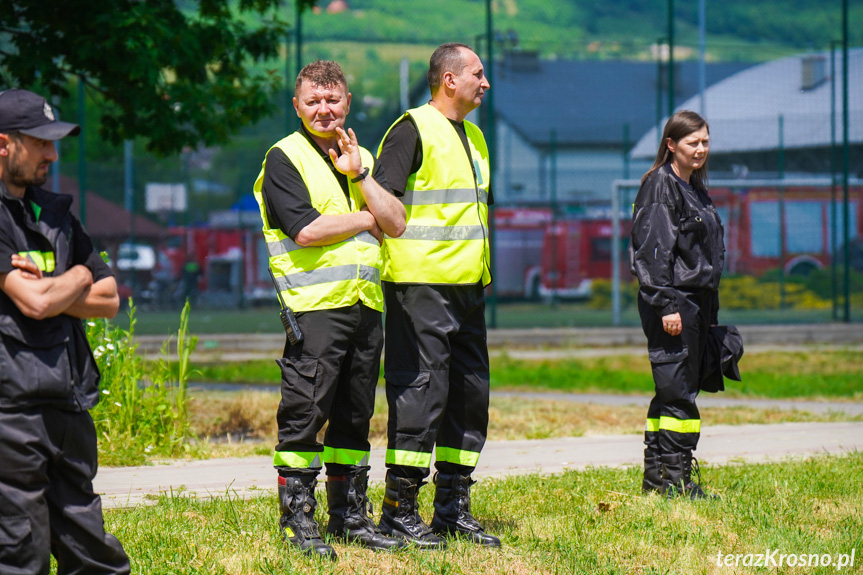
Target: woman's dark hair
(680,125)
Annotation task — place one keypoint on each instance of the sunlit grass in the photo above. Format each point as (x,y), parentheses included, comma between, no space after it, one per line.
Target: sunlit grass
(593,521)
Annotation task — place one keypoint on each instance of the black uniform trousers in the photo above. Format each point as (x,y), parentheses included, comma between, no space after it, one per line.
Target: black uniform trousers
(330,376)
(47,503)
(673,421)
(437,376)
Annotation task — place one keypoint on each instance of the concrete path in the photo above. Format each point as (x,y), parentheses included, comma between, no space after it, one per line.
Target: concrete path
(720,444)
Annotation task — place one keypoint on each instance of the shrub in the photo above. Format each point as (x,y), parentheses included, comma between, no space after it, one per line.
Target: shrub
(138,419)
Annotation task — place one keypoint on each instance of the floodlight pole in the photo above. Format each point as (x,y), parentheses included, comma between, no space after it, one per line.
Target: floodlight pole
(845,161)
(298,50)
(834,247)
(82,153)
(670,57)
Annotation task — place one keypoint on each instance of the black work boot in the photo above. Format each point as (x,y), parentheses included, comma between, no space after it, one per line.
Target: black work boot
(349,510)
(297,502)
(677,477)
(652,481)
(401,518)
(452,514)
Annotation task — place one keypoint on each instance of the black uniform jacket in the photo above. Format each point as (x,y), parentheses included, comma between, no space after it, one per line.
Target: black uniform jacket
(677,241)
(45,362)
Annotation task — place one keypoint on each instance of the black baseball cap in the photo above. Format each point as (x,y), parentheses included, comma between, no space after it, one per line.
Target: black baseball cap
(29,113)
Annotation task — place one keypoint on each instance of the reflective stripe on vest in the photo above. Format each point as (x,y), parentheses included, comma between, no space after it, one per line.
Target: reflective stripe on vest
(322,277)
(431,197)
(43,260)
(327,275)
(446,201)
(287,245)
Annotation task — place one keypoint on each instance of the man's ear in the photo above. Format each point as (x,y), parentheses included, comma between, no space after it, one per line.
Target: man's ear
(4,145)
(448,80)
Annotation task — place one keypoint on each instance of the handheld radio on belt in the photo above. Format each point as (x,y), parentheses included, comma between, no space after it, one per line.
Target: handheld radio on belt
(289,322)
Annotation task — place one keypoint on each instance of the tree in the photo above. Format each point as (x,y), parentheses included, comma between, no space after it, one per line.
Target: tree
(176,72)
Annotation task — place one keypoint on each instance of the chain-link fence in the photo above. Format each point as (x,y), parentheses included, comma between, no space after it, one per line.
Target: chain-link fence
(579,90)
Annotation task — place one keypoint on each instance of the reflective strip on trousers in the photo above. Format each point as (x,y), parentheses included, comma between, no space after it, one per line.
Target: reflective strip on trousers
(297,459)
(678,425)
(288,245)
(408,458)
(345,456)
(451,196)
(458,456)
(441,233)
(326,275)
(652,424)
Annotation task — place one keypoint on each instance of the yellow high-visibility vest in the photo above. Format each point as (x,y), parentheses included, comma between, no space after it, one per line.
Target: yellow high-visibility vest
(446,200)
(323,277)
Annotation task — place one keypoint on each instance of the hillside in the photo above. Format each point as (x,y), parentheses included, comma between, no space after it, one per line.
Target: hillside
(590,28)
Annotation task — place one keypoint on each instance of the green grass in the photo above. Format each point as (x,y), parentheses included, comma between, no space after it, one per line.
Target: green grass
(810,374)
(594,521)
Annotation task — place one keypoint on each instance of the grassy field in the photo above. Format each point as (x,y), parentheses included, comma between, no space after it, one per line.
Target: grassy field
(243,424)
(508,315)
(593,521)
(798,374)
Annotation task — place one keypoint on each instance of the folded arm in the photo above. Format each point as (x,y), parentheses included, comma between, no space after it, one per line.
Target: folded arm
(99,300)
(41,297)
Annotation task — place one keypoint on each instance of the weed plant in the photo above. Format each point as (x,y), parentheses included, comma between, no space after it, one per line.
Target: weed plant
(592,521)
(138,419)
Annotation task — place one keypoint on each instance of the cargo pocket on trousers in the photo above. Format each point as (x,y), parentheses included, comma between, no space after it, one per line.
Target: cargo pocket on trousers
(13,530)
(28,372)
(299,388)
(660,355)
(407,391)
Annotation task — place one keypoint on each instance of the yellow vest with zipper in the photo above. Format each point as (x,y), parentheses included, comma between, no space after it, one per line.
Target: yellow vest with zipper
(322,277)
(446,200)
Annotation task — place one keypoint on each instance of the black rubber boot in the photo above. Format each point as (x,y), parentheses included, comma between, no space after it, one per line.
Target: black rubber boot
(452,514)
(400,517)
(677,478)
(297,502)
(349,510)
(652,481)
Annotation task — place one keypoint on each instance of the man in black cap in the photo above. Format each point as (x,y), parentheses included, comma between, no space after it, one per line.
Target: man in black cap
(50,278)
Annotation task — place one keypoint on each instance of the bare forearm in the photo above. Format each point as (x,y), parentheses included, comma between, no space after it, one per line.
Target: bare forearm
(328,230)
(100,300)
(388,211)
(46,297)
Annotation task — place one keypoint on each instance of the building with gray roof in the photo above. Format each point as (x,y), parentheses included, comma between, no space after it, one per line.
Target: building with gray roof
(784,104)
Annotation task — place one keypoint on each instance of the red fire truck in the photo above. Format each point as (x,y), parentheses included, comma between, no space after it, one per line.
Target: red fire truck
(753,218)
(539,256)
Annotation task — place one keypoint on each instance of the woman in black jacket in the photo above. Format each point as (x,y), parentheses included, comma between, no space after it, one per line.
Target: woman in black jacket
(677,253)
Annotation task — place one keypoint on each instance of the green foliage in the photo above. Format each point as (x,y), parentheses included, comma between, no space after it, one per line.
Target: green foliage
(813,291)
(590,521)
(177,73)
(136,420)
(601,290)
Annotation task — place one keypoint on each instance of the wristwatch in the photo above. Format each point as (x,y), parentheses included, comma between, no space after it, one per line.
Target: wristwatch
(362,176)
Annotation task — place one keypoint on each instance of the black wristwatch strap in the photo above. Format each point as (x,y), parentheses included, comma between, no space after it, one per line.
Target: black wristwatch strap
(362,176)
